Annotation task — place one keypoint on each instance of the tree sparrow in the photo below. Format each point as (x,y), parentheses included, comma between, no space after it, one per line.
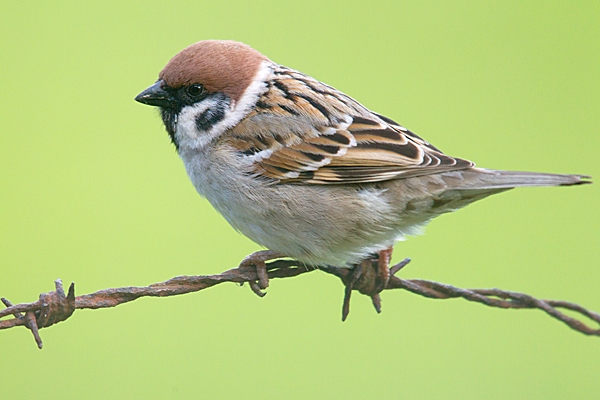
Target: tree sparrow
(304,170)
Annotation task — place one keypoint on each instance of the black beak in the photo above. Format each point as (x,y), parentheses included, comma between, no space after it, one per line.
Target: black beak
(155,95)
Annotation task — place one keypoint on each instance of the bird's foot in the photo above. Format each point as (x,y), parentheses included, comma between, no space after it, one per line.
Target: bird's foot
(258,261)
(370,277)
(382,273)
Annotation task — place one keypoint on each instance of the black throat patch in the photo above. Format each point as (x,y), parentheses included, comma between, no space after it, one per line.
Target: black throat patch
(169,117)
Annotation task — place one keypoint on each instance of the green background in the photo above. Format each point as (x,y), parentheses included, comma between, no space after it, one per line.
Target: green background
(91,191)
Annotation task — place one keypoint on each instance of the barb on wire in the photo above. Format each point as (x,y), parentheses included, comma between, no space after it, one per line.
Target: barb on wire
(56,306)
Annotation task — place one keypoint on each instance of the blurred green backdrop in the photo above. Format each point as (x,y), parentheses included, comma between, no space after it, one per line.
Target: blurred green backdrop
(91,191)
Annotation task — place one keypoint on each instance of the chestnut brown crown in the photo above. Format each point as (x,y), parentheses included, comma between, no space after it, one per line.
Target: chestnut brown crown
(219,65)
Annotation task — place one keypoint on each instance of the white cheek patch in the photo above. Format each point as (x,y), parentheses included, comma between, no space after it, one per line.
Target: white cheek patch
(187,132)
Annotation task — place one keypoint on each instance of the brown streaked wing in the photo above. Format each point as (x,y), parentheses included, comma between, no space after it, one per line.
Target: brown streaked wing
(344,142)
(366,151)
(383,152)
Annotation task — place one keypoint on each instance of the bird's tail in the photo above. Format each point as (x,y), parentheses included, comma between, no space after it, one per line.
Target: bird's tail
(492,179)
(465,186)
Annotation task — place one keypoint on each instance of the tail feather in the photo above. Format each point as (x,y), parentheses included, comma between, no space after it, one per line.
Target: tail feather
(493,179)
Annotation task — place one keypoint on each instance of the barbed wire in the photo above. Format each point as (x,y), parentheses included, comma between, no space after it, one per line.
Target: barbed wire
(57,306)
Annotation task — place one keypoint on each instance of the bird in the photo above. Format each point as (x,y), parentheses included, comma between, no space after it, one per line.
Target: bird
(304,170)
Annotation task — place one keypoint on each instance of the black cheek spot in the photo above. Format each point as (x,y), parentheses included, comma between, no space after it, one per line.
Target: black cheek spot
(209,118)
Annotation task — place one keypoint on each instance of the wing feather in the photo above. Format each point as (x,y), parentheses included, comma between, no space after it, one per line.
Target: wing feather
(307,132)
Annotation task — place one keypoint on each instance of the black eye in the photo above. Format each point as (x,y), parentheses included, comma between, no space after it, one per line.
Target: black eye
(196,90)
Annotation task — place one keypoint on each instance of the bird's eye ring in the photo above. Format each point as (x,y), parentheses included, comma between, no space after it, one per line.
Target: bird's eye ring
(196,90)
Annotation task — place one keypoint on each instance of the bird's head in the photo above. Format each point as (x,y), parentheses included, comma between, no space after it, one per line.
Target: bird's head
(205,89)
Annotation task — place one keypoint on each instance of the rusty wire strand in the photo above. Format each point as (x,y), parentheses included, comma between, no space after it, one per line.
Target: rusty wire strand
(56,306)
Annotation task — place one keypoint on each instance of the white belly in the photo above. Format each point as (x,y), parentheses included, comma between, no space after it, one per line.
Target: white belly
(316,224)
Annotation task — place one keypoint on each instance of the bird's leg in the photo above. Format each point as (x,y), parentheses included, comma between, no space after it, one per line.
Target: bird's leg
(355,275)
(370,277)
(258,260)
(383,276)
